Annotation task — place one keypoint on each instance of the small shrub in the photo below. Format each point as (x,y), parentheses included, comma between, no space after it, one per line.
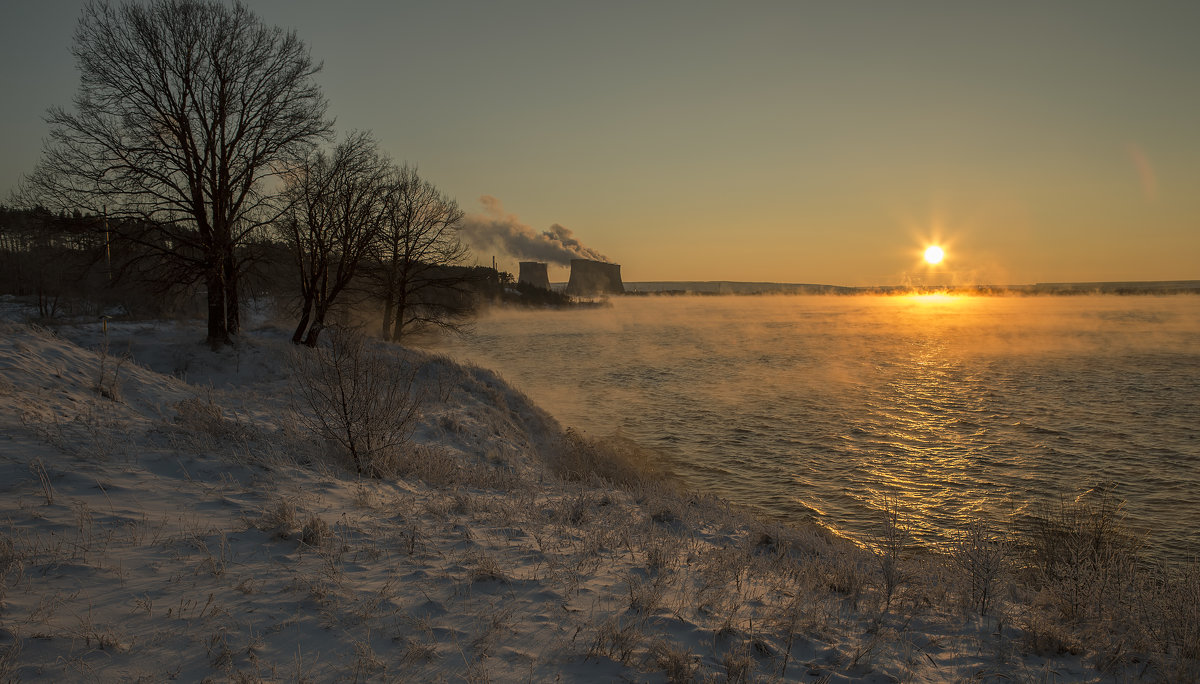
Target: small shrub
(8,554)
(981,556)
(361,399)
(1170,619)
(10,658)
(419,652)
(739,667)
(485,568)
(1044,636)
(8,561)
(645,596)
(843,571)
(1082,555)
(578,508)
(892,543)
(662,553)
(366,662)
(616,640)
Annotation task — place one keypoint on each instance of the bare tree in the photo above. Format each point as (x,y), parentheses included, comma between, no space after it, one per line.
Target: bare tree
(337,206)
(185,109)
(414,256)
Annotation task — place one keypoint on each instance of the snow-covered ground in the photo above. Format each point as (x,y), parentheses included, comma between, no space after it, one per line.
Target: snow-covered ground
(164,516)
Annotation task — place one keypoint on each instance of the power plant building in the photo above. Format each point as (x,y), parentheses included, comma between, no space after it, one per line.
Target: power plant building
(590,277)
(534,273)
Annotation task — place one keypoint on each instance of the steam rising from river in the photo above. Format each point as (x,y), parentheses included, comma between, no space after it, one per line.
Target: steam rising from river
(821,406)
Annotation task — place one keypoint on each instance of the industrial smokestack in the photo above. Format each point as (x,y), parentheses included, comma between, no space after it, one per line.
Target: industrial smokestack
(590,277)
(534,273)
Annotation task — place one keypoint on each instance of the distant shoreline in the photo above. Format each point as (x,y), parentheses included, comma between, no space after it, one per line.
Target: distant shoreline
(726,287)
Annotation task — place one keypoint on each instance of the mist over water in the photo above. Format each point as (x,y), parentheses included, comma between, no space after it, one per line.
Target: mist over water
(817,407)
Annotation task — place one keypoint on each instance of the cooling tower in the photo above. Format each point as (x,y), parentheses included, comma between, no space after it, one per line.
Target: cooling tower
(534,273)
(594,277)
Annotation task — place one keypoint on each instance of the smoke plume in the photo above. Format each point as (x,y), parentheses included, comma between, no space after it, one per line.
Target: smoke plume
(494,229)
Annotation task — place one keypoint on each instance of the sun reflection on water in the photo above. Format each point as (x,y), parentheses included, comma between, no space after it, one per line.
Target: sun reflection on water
(925,444)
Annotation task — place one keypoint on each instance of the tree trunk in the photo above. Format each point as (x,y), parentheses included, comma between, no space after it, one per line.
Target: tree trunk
(387,317)
(233,319)
(401,290)
(318,325)
(398,329)
(389,298)
(218,331)
(305,314)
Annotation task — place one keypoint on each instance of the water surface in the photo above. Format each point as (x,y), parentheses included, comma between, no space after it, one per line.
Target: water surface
(820,406)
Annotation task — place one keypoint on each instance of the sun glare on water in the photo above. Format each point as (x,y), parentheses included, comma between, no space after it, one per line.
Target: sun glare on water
(934,255)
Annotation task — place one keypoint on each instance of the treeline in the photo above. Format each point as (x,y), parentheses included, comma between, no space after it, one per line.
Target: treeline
(72,263)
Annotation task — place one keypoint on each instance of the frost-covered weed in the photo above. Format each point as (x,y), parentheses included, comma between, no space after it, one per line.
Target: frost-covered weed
(10,657)
(890,549)
(982,556)
(738,665)
(646,594)
(1169,616)
(107,379)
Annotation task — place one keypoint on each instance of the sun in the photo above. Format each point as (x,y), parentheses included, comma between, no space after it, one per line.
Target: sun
(934,255)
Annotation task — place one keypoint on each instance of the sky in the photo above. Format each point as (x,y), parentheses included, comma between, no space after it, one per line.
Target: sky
(797,142)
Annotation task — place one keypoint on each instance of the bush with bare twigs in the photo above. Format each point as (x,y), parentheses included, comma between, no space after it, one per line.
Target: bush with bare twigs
(982,556)
(1084,556)
(361,399)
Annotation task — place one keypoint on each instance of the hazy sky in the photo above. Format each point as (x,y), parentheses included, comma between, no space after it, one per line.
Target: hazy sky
(783,141)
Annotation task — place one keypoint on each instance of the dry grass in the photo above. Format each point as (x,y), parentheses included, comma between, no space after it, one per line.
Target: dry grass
(617,639)
(279,517)
(680,665)
(201,415)
(614,459)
